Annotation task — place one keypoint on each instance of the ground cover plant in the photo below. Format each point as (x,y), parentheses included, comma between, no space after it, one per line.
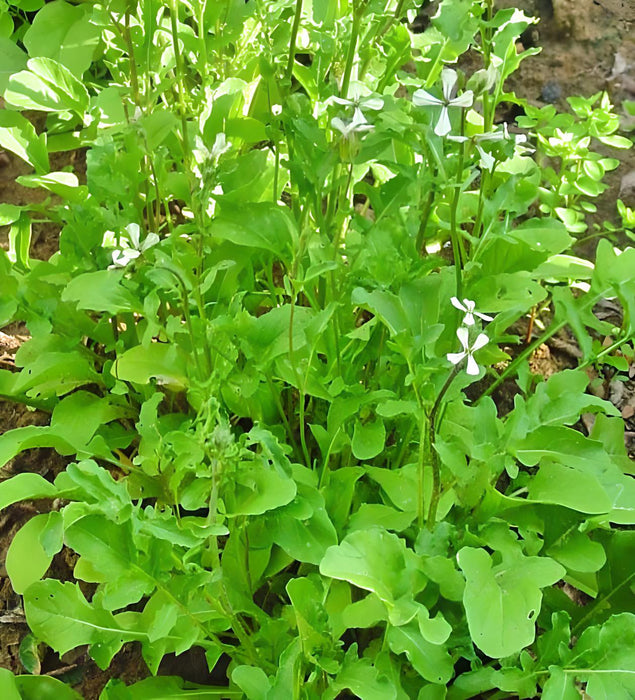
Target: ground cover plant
(308,256)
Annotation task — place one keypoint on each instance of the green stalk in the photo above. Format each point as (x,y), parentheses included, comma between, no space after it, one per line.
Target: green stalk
(352,48)
(457,243)
(294,37)
(180,77)
(434,425)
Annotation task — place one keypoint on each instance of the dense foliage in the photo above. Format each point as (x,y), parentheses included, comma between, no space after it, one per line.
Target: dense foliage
(303,263)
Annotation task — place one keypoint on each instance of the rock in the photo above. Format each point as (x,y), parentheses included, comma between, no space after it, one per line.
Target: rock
(551,92)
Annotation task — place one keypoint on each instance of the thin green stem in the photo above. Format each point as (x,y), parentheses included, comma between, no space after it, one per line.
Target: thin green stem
(180,76)
(457,243)
(352,49)
(433,427)
(294,37)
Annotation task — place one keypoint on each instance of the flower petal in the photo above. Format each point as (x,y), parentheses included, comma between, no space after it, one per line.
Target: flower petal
(481,341)
(341,126)
(455,357)
(443,126)
(457,304)
(421,98)
(464,100)
(468,319)
(485,317)
(463,335)
(487,161)
(472,368)
(448,78)
(375,103)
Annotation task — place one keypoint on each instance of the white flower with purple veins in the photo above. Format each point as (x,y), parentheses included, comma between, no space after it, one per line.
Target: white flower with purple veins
(421,98)
(468,351)
(468,306)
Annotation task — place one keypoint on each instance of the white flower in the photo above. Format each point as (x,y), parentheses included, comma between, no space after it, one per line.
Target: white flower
(468,307)
(468,350)
(276,110)
(133,247)
(360,97)
(421,98)
(221,145)
(357,124)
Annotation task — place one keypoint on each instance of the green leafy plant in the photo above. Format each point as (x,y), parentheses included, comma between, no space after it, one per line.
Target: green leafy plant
(300,269)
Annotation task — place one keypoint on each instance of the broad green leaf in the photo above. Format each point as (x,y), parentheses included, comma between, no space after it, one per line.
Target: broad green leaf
(569,448)
(53,373)
(63,32)
(362,678)
(9,213)
(27,561)
(512,590)
(47,86)
(318,645)
(559,686)
(616,579)
(401,485)
(579,553)
(542,235)
(25,486)
(34,688)
(368,438)
(63,184)
(376,561)
(18,135)
(260,225)
(110,550)
(603,657)
(12,60)
(59,615)
(562,399)
(101,291)
(378,515)
(430,661)
(255,489)
(284,682)
(87,481)
(558,484)
(20,242)
(304,536)
(164,362)
(252,681)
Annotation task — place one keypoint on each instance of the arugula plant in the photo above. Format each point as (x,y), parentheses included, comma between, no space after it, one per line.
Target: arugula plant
(284,304)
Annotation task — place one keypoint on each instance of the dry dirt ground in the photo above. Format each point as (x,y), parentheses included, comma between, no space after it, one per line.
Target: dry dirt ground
(587,46)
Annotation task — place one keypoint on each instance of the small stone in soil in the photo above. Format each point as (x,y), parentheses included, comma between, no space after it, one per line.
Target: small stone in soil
(551,92)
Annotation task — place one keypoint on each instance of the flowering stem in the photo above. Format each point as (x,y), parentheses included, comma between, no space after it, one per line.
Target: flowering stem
(457,244)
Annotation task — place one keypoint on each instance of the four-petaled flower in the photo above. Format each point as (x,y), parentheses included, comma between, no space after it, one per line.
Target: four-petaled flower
(357,124)
(468,307)
(421,98)
(360,97)
(131,247)
(468,351)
